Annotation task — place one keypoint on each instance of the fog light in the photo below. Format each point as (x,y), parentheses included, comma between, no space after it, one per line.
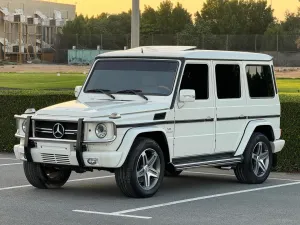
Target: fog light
(92,161)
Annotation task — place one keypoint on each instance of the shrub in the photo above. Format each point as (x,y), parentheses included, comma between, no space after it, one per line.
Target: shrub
(289,157)
(16,102)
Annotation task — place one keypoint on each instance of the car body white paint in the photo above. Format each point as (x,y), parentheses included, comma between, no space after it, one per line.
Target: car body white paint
(183,139)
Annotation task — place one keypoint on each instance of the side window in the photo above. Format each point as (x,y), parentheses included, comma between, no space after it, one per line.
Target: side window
(195,77)
(228,81)
(260,81)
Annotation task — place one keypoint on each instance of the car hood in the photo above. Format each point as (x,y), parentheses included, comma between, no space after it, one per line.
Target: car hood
(100,108)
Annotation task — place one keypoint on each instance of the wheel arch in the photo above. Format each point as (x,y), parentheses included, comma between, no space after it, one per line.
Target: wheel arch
(261,126)
(160,139)
(155,133)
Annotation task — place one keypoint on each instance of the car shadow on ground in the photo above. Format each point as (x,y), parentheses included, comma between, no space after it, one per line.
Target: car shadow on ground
(106,189)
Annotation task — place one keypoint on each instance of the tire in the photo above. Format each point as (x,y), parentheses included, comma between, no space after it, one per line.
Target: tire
(257,162)
(127,179)
(41,176)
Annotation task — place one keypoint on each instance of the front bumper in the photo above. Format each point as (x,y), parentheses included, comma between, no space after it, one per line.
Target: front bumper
(106,159)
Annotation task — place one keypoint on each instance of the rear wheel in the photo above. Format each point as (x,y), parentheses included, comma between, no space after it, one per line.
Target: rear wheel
(257,163)
(44,177)
(142,173)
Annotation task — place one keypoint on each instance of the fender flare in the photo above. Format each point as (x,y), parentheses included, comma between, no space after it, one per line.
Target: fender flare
(247,134)
(129,138)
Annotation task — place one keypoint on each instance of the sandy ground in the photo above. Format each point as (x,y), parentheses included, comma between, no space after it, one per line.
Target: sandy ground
(43,68)
(282,72)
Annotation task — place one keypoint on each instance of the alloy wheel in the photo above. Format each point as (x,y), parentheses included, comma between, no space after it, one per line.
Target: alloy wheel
(148,169)
(260,159)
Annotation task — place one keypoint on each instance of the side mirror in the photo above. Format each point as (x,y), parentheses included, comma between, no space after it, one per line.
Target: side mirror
(187,95)
(77,91)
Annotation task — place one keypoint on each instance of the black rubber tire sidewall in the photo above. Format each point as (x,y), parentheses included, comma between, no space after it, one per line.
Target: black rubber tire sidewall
(35,174)
(126,175)
(246,171)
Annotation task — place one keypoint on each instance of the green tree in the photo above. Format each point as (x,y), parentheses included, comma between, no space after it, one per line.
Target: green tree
(149,21)
(180,18)
(237,16)
(164,17)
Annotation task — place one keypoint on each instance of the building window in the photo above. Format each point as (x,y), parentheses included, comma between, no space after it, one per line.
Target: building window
(196,77)
(228,81)
(260,81)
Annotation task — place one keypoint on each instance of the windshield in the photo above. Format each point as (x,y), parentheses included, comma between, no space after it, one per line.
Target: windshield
(148,77)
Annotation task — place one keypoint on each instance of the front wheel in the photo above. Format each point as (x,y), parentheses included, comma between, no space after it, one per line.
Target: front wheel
(44,177)
(257,163)
(142,173)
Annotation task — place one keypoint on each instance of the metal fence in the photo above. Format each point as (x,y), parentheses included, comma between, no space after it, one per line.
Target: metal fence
(284,48)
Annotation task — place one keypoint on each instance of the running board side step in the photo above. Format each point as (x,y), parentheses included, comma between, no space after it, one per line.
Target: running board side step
(218,162)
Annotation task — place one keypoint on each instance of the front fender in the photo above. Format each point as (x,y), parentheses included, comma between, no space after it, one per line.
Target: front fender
(248,132)
(129,138)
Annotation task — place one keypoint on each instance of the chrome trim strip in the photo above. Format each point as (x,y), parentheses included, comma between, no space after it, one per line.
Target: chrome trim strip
(212,162)
(74,131)
(43,129)
(69,133)
(52,140)
(50,132)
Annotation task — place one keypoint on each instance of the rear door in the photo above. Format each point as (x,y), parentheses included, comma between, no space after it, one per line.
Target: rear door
(231,104)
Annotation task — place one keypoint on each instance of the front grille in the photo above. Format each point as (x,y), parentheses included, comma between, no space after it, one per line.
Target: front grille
(55,158)
(45,129)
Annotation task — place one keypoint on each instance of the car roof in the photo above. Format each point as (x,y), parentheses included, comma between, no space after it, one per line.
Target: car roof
(186,52)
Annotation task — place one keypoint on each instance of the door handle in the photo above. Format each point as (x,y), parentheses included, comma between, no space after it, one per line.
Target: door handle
(209,119)
(242,117)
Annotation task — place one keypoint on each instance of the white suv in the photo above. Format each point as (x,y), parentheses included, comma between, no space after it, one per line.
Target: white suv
(153,111)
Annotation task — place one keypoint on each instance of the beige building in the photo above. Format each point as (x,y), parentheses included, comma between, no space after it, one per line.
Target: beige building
(30,25)
(46,7)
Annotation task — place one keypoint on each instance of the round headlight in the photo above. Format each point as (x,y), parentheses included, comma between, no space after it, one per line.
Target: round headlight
(101,130)
(24,126)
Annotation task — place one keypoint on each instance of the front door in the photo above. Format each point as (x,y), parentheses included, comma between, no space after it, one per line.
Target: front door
(195,121)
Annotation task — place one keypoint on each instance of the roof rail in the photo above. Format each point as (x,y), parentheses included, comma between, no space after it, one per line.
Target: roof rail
(163,48)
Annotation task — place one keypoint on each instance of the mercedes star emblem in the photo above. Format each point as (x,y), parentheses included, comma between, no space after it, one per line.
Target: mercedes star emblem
(58,130)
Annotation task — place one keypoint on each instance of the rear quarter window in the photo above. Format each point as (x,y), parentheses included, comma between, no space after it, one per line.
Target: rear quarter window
(260,81)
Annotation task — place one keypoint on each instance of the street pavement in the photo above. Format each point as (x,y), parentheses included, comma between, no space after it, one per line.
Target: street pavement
(200,196)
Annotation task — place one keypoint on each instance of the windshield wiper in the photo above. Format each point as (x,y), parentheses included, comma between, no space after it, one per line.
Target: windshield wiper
(106,92)
(136,92)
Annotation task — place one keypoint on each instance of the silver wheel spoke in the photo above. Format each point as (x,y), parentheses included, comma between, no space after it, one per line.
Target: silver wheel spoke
(262,166)
(153,173)
(264,155)
(254,156)
(256,167)
(147,180)
(259,151)
(145,159)
(152,159)
(140,173)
